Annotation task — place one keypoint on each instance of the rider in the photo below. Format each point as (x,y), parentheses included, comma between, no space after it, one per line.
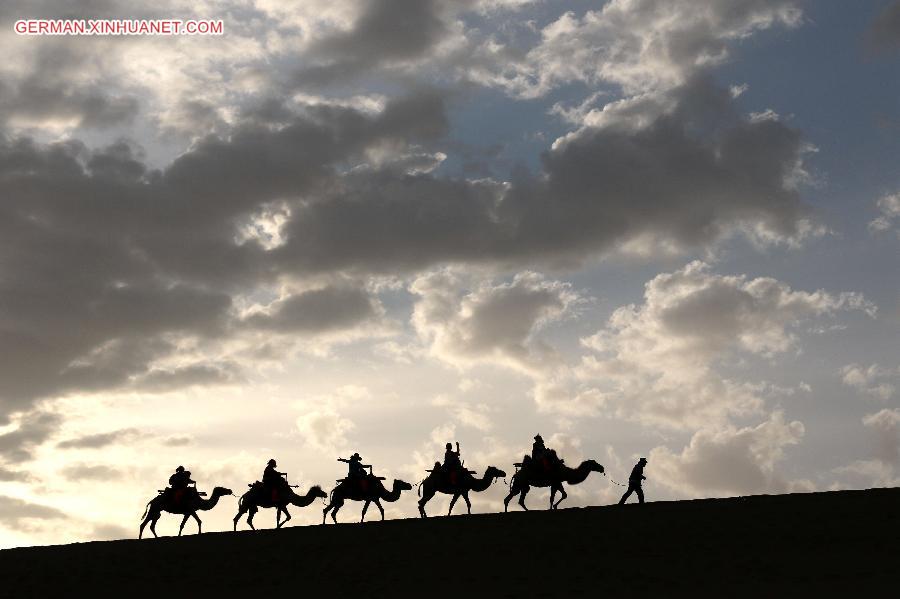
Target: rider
(451,458)
(273,478)
(543,456)
(180,482)
(355,468)
(538,450)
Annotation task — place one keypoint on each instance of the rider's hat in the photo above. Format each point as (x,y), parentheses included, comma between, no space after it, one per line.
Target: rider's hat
(538,438)
(643,460)
(272,463)
(179,469)
(355,456)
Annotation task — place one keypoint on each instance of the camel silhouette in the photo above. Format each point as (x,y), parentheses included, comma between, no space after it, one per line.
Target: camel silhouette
(261,497)
(189,506)
(457,484)
(369,489)
(554,478)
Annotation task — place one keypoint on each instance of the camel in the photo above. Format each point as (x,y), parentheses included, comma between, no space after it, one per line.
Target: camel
(258,497)
(369,489)
(526,478)
(456,484)
(189,506)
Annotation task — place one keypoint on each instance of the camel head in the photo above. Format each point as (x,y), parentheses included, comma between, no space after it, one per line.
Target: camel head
(401,485)
(495,473)
(219,491)
(593,466)
(317,491)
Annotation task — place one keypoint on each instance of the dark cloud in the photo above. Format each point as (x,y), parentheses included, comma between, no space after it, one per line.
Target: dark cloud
(885,31)
(161,380)
(53,89)
(89,472)
(13,511)
(178,440)
(32,430)
(386,32)
(317,311)
(106,264)
(695,174)
(7,475)
(38,102)
(100,440)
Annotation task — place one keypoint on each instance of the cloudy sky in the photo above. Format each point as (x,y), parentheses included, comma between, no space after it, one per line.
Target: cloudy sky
(667,228)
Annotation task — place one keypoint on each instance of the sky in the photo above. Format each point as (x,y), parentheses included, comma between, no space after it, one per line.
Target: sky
(659,228)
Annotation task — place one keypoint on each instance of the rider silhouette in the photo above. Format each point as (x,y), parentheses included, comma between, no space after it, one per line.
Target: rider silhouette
(634,482)
(542,458)
(180,482)
(451,458)
(538,450)
(273,479)
(355,468)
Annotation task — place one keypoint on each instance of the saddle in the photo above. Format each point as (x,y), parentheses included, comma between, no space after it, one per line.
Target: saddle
(179,495)
(362,483)
(452,477)
(274,491)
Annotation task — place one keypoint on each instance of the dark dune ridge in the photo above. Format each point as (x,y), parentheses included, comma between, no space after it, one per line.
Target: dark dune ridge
(762,545)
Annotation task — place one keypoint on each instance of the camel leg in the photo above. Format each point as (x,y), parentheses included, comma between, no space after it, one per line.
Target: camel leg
(199,523)
(277,517)
(468,503)
(380,509)
(250,515)
(552,496)
(183,522)
(334,506)
(153,525)
(452,503)
(522,498)
(562,495)
(287,516)
(427,494)
(365,507)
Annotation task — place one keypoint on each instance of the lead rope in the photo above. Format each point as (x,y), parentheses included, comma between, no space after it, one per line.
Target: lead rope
(614,482)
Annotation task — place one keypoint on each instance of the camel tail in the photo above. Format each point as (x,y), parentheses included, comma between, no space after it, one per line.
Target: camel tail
(420,487)
(146,509)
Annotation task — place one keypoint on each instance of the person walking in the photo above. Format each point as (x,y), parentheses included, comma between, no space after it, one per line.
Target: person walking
(634,482)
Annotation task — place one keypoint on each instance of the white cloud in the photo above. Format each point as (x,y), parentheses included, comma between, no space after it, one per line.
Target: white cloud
(730,460)
(889,207)
(325,430)
(874,380)
(883,468)
(322,425)
(467,324)
(656,362)
(886,426)
(640,45)
(465,413)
